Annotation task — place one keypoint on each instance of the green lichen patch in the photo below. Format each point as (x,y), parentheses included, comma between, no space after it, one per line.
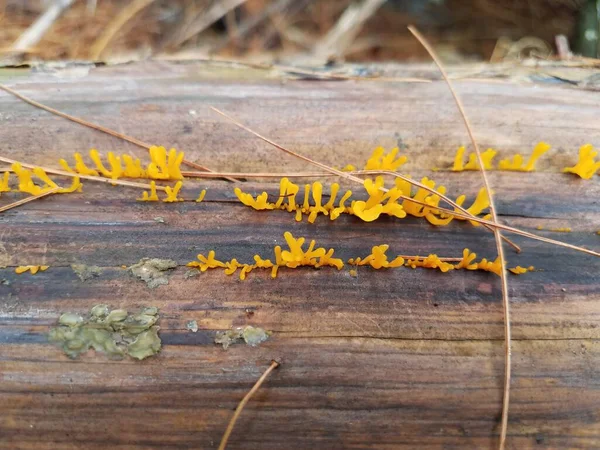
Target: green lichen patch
(153,271)
(116,333)
(250,335)
(86,272)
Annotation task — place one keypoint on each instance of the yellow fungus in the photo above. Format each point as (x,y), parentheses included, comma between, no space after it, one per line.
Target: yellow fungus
(4,183)
(231,266)
(380,161)
(27,185)
(95,156)
(317,194)
(467,261)
(42,175)
(207,262)
(489,266)
(163,166)
(133,167)
(349,168)
(353,273)
(32,269)
(431,262)
(259,204)
(473,164)
(335,212)
(586,166)
(516,164)
(521,270)
(172,193)
(201,196)
(173,164)
(378,259)
(152,197)
(76,186)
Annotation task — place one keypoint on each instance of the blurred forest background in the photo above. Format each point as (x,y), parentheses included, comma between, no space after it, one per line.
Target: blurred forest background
(295,31)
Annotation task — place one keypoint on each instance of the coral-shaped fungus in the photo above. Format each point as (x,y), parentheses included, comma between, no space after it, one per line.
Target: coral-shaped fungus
(27,185)
(293,257)
(473,163)
(521,270)
(32,269)
(586,166)
(377,259)
(380,161)
(380,201)
(162,166)
(201,196)
(4,187)
(516,164)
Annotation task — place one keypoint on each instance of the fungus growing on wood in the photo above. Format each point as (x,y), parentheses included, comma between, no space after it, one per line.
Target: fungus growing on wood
(516,164)
(586,166)
(33,269)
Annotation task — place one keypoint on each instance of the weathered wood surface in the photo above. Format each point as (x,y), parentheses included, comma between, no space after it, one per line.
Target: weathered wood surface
(396,359)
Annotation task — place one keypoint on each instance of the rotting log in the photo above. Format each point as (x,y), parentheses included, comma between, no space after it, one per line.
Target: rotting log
(396,359)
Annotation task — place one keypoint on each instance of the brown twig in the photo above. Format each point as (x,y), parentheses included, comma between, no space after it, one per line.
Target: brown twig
(27,200)
(129,11)
(83,177)
(240,407)
(94,126)
(38,29)
(497,235)
(343,33)
(206,19)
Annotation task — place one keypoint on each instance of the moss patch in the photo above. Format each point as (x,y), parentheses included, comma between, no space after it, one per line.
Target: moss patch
(115,333)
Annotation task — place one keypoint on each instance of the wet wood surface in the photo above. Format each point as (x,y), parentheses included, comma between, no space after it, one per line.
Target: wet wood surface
(389,359)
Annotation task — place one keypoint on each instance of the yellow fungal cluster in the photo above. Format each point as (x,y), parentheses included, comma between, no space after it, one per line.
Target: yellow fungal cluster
(391,201)
(377,259)
(27,184)
(292,257)
(4,187)
(473,163)
(163,165)
(515,164)
(521,270)
(586,166)
(32,269)
(172,193)
(295,256)
(380,161)
(287,200)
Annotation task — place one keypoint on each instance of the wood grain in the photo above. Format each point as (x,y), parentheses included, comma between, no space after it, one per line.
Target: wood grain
(395,359)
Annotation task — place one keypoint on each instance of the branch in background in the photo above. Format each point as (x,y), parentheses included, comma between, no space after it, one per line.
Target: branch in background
(343,33)
(38,29)
(201,23)
(126,14)
(250,24)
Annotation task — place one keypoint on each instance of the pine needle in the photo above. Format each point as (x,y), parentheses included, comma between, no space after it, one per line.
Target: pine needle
(497,235)
(27,200)
(95,126)
(274,365)
(83,177)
